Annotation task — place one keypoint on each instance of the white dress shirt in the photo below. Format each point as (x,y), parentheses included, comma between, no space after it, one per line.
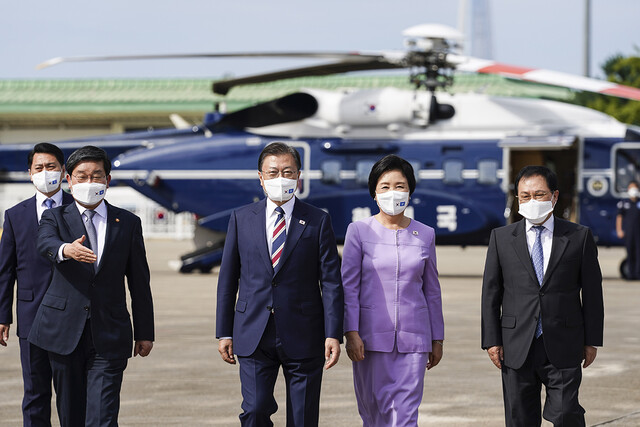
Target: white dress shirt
(272,215)
(100,224)
(546,238)
(41,207)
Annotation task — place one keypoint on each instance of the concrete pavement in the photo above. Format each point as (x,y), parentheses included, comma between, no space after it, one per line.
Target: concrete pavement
(185,383)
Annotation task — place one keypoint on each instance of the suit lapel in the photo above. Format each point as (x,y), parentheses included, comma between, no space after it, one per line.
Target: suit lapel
(112,233)
(522,250)
(30,212)
(558,247)
(258,227)
(72,218)
(296,227)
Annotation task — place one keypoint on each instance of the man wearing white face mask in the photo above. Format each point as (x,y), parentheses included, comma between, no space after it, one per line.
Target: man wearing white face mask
(628,228)
(83,321)
(21,262)
(542,306)
(280,299)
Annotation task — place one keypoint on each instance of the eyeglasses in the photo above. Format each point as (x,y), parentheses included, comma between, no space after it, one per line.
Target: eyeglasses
(538,196)
(89,178)
(274,173)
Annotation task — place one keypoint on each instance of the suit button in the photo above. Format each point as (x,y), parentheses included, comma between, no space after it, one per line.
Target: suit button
(93,285)
(269,308)
(541,294)
(86,308)
(274,284)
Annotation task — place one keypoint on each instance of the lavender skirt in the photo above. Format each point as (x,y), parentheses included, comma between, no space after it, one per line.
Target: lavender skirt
(389,387)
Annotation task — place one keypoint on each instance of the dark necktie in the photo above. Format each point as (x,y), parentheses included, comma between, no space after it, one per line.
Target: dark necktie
(537,258)
(278,238)
(91,233)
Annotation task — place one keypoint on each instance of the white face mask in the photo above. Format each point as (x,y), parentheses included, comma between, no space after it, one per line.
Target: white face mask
(89,193)
(393,202)
(536,211)
(280,189)
(47,181)
(634,192)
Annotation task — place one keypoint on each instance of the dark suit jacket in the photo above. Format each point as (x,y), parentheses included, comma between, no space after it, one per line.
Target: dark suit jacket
(20,259)
(77,291)
(570,298)
(305,292)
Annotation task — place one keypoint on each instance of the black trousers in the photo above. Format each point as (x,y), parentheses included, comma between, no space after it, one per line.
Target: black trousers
(36,374)
(87,385)
(521,390)
(258,374)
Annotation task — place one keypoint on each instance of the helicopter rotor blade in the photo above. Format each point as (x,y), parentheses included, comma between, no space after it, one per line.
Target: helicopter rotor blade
(538,75)
(347,56)
(224,86)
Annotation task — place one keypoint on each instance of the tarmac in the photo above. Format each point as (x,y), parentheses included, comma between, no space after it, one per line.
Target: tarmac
(184,382)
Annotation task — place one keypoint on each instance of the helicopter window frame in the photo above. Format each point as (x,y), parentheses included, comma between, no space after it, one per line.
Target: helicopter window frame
(452,172)
(331,172)
(617,188)
(363,170)
(488,176)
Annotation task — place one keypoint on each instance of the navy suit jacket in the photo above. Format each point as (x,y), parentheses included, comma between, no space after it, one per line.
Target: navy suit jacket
(305,291)
(77,291)
(570,298)
(20,259)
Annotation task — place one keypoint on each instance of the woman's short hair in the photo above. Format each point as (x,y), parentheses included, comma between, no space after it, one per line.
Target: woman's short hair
(391,163)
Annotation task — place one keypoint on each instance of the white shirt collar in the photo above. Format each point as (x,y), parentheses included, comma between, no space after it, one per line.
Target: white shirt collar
(548,224)
(287,207)
(101,209)
(40,198)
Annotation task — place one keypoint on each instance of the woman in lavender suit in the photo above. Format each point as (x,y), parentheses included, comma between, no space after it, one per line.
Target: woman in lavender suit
(393,309)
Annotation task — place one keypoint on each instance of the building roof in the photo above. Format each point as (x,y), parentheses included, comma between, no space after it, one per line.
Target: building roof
(22,101)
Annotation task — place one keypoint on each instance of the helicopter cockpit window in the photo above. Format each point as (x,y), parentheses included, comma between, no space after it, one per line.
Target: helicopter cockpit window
(453,172)
(487,172)
(363,169)
(627,167)
(331,172)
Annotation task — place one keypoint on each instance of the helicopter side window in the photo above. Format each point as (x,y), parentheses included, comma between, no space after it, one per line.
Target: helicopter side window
(487,172)
(627,167)
(453,172)
(331,172)
(416,169)
(363,169)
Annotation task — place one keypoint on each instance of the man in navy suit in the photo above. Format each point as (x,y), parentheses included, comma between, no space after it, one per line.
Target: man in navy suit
(83,321)
(280,299)
(20,260)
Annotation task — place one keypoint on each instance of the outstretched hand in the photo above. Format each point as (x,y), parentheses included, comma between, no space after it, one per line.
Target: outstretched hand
(79,252)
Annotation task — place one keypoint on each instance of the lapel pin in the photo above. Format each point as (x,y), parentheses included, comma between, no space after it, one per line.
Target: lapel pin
(415,233)
(302,222)
(117,219)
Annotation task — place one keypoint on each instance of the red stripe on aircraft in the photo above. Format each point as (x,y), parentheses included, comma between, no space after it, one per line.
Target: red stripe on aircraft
(505,69)
(623,91)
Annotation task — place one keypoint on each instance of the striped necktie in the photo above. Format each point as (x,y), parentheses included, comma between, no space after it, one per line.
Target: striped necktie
(278,238)
(537,258)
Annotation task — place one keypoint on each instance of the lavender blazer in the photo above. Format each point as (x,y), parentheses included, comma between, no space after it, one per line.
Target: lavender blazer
(391,288)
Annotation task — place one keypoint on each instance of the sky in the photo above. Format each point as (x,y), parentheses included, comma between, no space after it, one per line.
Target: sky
(532,33)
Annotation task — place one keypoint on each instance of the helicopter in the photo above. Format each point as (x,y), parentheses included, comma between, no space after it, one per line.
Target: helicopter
(465,148)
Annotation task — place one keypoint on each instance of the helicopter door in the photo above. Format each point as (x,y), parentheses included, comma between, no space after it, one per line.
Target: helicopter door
(558,153)
(305,182)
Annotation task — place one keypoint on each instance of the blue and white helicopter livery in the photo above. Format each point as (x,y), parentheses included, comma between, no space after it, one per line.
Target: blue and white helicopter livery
(465,148)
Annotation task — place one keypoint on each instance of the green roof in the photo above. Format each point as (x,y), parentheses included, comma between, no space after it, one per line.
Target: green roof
(102,96)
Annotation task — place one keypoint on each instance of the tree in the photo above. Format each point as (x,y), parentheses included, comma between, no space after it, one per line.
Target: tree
(622,70)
